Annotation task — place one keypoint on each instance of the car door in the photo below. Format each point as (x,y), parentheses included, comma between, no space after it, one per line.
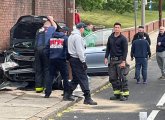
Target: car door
(95,50)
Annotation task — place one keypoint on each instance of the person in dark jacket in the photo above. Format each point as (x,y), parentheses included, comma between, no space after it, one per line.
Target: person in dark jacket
(117,48)
(160,51)
(140,50)
(57,55)
(145,35)
(41,53)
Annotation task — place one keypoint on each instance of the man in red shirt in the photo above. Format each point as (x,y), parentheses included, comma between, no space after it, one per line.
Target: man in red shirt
(77,17)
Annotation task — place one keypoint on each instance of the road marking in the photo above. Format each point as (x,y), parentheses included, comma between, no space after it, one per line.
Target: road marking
(161,101)
(153,114)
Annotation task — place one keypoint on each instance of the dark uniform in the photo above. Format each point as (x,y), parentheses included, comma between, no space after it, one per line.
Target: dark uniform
(57,55)
(117,48)
(42,57)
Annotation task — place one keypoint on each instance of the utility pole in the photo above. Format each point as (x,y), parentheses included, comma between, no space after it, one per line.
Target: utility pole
(135,13)
(143,13)
(160,12)
(70,14)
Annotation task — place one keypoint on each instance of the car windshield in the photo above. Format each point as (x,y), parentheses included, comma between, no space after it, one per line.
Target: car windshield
(98,38)
(27,45)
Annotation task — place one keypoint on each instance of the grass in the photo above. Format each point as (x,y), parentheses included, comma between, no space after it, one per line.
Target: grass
(108,18)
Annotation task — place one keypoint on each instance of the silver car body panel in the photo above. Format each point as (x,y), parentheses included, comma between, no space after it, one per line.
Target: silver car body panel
(95,54)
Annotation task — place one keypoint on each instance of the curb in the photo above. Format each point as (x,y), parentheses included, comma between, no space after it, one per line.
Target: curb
(60,109)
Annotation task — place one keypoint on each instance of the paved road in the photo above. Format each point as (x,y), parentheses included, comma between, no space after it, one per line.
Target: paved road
(143,98)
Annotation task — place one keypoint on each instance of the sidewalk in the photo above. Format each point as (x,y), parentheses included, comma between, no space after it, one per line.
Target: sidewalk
(17,104)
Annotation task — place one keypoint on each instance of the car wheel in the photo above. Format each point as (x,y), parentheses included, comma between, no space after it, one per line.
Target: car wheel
(1,76)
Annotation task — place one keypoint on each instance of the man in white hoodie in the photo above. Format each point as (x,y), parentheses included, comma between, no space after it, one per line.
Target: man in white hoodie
(76,50)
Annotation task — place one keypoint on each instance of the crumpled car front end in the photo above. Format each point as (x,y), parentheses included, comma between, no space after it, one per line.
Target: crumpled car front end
(19,59)
(19,66)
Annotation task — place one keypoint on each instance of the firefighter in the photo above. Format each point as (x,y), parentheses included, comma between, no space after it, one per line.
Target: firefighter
(41,53)
(117,48)
(58,55)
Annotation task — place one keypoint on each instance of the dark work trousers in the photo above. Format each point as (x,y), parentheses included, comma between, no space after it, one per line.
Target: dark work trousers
(55,66)
(79,76)
(118,79)
(41,68)
(141,64)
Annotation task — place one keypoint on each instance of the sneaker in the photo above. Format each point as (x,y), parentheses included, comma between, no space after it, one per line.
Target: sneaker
(90,102)
(144,82)
(138,82)
(161,78)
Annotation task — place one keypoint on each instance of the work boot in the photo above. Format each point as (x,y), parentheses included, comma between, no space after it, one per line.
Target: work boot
(89,101)
(39,89)
(68,97)
(123,98)
(116,97)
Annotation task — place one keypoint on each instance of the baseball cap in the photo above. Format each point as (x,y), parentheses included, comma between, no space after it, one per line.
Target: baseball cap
(65,28)
(81,25)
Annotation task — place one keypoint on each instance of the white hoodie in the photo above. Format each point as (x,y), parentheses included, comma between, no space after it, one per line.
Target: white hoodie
(76,45)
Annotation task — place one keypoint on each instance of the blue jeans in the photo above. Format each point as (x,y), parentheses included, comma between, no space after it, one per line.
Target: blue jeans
(141,64)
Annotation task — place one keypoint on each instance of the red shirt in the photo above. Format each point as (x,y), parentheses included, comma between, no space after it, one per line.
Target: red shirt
(77,18)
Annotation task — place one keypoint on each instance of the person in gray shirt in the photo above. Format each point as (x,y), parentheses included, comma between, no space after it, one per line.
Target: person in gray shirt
(160,51)
(76,50)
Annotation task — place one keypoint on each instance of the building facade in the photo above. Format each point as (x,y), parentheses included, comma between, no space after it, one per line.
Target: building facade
(11,10)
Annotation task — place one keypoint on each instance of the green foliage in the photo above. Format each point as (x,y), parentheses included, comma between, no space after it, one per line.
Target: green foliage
(119,6)
(89,5)
(108,18)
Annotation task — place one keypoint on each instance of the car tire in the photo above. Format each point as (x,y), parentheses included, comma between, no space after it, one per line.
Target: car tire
(1,76)
(58,82)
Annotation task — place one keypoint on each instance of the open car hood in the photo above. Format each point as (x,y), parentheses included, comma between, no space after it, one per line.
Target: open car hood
(23,33)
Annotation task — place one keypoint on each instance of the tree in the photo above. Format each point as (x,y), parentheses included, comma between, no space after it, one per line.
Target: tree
(119,6)
(89,5)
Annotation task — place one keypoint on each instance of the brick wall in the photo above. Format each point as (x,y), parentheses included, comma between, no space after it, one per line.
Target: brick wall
(11,10)
(51,7)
